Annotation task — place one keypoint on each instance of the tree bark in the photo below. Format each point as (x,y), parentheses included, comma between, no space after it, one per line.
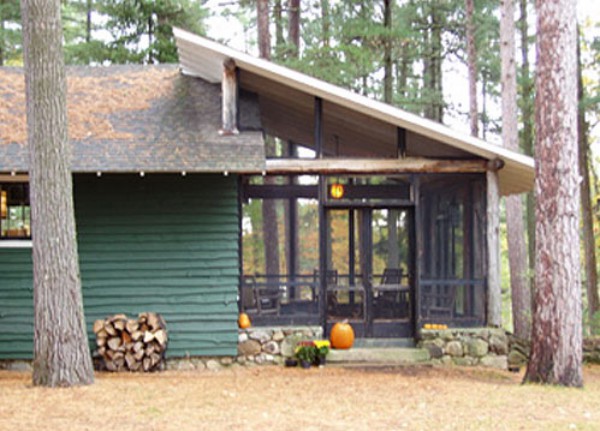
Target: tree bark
(432,68)
(556,349)
(517,250)
(472,66)
(589,246)
(325,24)
(294,26)
(527,133)
(269,209)
(61,352)
(88,21)
(278,16)
(264,36)
(387,57)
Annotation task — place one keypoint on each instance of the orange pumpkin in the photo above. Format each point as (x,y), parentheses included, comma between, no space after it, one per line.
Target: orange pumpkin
(342,335)
(244,321)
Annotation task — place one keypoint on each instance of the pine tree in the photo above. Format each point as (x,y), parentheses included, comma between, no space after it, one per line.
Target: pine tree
(61,352)
(517,251)
(556,352)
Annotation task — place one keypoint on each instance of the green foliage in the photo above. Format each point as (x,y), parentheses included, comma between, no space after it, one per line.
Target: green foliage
(306,353)
(142,30)
(110,31)
(11,48)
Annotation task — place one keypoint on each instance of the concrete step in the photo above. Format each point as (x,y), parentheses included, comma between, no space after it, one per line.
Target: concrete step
(384,342)
(378,355)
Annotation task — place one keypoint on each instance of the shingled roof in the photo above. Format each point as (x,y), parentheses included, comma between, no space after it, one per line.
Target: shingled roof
(136,118)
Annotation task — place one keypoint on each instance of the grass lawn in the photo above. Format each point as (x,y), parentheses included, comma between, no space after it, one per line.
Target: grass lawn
(275,398)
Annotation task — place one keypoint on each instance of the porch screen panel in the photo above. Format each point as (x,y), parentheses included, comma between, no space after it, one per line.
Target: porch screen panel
(453,250)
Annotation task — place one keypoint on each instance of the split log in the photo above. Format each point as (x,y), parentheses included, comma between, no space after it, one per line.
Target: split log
(114,343)
(148,336)
(119,325)
(131,344)
(98,325)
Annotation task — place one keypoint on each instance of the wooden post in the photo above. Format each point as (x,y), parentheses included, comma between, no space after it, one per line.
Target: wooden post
(318,127)
(229,98)
(494,294)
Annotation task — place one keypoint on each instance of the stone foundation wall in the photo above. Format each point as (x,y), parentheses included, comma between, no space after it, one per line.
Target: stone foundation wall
(488,347)
(256,346)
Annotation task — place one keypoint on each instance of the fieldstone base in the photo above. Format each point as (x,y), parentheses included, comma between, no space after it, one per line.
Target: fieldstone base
(16,365)
(256,346)
(487,347)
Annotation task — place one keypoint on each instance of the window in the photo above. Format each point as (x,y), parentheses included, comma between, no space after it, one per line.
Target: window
(15,212)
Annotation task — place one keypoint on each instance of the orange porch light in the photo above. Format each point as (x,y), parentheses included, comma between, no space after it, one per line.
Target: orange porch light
(336,191)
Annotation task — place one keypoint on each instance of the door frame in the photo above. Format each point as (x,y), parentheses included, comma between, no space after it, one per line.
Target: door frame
(368,328)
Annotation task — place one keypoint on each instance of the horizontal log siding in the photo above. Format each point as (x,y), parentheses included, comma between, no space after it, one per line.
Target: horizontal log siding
(163,243)
(16,303)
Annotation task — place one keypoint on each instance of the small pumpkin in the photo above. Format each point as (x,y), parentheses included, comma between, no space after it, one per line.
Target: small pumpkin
(342,335)
(244,321)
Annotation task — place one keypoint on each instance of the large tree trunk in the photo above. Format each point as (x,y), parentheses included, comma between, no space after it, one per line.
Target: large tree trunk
(517,250)
(472,66)
(527,133)
(589,246)
(61,352)
(556,352)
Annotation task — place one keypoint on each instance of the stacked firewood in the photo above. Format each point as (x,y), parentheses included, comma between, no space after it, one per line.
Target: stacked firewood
(131,344)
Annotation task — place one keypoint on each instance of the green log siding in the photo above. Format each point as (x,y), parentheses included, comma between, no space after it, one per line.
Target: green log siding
(16,303)
(163,243)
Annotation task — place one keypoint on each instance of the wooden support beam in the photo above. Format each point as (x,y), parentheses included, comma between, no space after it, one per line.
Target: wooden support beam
(370,166)
(229,90)
(318,127)
(494,293)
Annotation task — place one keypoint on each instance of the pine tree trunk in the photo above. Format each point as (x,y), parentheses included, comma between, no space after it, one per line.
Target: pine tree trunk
(472,66)
(325,25)
(264,37)
(387,57)
(556,352)
(589,246)
(269,209)
(527,133)
(432,69)
(278,15)
(88,21)
(294,26)
(517,250)
(61,351)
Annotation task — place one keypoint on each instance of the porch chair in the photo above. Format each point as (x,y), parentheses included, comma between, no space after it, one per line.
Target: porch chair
(268,297)
(391,297)
(438,300)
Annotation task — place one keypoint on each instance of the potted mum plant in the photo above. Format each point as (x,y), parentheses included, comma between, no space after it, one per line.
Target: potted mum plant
(321,351)
(306,355)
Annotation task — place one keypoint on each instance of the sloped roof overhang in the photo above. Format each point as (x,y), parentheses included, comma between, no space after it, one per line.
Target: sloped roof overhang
(204,58)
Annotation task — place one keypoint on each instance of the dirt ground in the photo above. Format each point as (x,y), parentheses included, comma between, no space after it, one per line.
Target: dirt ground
(329,398)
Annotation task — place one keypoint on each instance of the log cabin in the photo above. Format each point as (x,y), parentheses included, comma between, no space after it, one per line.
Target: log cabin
(231,184)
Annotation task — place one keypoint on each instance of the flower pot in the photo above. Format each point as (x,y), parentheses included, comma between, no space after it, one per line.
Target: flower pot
(321,360)
(305,364)
(291,362)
